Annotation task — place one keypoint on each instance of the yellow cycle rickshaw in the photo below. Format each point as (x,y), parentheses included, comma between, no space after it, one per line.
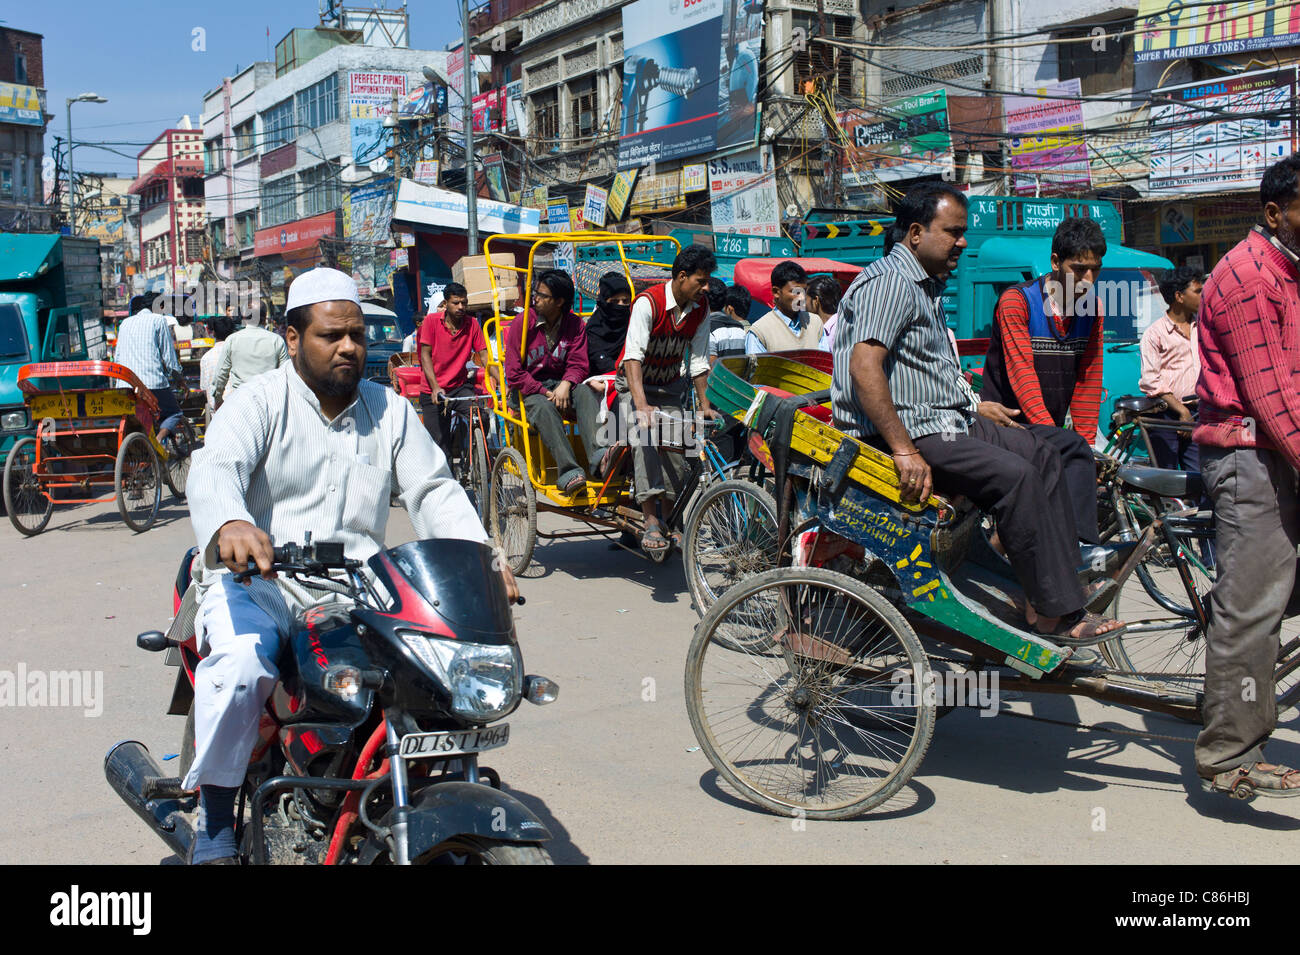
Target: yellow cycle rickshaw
(523,476)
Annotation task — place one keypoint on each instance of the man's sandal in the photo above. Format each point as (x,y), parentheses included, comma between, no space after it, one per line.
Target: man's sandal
(653,540)
(1091,634)
(1248,781)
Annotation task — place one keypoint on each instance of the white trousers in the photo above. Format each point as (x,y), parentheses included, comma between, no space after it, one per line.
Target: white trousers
(242,628)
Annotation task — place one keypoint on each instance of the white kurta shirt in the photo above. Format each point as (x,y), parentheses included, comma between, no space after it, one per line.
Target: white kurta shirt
(271,458)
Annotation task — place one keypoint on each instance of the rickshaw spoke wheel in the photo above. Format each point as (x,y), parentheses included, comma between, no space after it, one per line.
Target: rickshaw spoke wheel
(184,442)
(28,506)
(805,690)
(512,510)
(730,534)
(137,480)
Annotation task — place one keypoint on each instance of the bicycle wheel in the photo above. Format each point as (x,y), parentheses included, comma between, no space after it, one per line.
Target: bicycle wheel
(830,722)
(28,506)
(183,442)
(137,481)
(480,470)
(512,517)
(730,534)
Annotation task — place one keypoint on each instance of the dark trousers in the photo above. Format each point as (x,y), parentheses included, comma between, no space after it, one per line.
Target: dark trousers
(545,418)
(437,418)
(1080,471)
(1255,517)
(588,404)
(1018,478)
(1173,449)
(169,409)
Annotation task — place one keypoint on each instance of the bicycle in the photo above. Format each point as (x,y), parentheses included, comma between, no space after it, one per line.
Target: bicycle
(469,433)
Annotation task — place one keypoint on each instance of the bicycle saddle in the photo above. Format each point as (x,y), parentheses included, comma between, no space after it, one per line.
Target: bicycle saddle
(1165,483)
(1138,404)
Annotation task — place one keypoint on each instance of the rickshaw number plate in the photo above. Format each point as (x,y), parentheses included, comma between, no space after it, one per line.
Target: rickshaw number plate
(110,404)
(454,743)
(54,406)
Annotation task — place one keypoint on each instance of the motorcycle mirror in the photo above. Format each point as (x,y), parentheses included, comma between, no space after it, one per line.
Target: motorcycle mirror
(152,640)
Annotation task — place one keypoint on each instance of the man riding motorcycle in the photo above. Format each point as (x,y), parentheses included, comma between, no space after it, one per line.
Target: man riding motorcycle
(308,447)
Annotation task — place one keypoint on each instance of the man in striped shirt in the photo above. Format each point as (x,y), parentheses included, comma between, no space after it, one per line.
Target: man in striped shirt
(307,447)
(145,345)
(1045,357)
(898,384)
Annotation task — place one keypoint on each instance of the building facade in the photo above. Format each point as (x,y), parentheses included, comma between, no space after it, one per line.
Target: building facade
(286,144)
(169,185)
(22,132)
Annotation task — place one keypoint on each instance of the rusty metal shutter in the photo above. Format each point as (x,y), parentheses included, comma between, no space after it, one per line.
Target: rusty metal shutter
(904,72)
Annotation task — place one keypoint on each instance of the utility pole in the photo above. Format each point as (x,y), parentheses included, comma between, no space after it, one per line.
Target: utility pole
(471,181)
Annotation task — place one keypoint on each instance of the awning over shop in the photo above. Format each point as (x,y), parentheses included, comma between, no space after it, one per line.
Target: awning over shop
(1014,253)
(429,205)
(168,169)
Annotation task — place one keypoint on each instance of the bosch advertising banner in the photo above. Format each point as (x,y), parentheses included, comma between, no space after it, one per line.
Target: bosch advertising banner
(690,78)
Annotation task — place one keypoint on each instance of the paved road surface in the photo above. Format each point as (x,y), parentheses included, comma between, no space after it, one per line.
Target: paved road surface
(612,766)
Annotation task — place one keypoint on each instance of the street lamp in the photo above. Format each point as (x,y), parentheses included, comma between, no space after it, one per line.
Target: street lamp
(72,182)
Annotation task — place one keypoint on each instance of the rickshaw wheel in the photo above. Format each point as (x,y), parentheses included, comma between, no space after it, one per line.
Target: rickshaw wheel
(831,719)
(730,534)
(137,481)
(177,469)
(480,470)
(512,509)
(27,505)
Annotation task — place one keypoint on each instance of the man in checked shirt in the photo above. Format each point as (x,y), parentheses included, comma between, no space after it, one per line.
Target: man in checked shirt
(308,447)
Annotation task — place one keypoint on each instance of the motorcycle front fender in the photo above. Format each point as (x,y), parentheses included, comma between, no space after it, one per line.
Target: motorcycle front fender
(444,810)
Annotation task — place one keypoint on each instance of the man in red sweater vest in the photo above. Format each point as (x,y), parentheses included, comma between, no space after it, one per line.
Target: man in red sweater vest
(1044,360)
(669,324)
(1249,437)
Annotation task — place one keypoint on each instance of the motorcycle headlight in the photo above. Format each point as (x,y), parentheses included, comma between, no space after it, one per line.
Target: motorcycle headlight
(485,681)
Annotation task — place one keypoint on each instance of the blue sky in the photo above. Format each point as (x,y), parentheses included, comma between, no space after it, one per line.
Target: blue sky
(139,54)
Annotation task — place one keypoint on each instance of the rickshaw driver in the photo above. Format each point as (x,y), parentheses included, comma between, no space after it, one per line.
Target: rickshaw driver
(666,321)
(897,384)
(306,447)
(145,345)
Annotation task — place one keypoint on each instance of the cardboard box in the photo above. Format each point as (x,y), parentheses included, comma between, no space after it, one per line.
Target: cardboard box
(472,272)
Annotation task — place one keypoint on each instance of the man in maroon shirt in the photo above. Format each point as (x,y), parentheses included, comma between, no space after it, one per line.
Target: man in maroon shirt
(1249,437)
(446,340)
(545,359)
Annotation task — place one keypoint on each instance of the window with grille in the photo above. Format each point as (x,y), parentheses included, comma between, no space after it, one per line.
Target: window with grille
(320,190)
(318,104)
(244,140)
(278,201)
(277,125)
(1098,71)
(546,119)
(818,58)
(582,94)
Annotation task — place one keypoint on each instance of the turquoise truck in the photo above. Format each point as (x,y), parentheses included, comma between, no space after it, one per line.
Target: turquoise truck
(51,309)
(1009,241)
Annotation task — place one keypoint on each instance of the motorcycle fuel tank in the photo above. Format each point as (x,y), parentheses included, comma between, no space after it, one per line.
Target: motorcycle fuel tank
(326,639)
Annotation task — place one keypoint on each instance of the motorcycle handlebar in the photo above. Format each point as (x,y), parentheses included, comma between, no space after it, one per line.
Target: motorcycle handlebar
(312,558)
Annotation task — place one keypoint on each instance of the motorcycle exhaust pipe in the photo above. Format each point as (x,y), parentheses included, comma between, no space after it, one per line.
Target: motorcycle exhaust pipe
(127,766)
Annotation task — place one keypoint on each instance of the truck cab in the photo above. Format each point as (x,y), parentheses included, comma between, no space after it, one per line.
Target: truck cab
(1009,241)
(50,310)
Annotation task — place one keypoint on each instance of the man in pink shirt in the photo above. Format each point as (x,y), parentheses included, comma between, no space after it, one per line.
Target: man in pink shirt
(1171,365)
(446,341)
(1249,433)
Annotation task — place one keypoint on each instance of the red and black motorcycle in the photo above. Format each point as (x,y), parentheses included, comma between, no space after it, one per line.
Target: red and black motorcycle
(368,751)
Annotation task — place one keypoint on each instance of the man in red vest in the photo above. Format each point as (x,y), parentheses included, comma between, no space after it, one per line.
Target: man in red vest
(668,326)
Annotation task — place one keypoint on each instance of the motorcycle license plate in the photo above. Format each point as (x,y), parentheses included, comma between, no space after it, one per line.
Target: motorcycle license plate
(455,742)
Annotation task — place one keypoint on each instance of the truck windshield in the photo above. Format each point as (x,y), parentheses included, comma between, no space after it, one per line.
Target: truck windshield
(1130,300)
(13,338)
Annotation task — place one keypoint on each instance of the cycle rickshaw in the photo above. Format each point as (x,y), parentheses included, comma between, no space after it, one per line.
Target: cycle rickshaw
(522,479)
(96,428)
(808,685)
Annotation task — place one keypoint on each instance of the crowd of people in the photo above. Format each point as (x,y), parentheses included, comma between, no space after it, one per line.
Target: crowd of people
(309,445)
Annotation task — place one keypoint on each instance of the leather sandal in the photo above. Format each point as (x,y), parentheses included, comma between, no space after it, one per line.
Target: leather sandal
(1062,632)
(1248,781)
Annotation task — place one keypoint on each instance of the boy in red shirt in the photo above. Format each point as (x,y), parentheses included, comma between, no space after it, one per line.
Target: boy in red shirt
(446,341)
